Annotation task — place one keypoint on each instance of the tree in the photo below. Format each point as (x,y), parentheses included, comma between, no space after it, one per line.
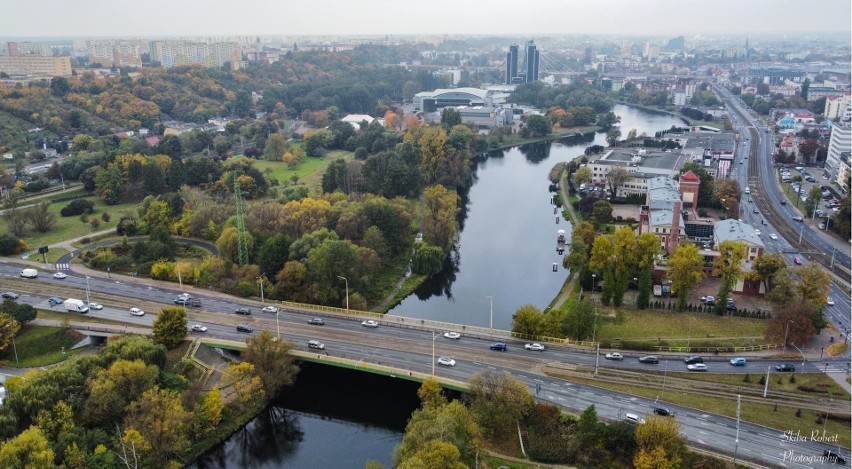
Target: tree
(227,244)
(276,146)
(28,450)
(41,217)
(273,254)
(427,259)
(812,200)
(796,320)
(498,401)
(729,267)
(583,175)
(242,104)
(813,286)
(110,184)
(765,268)
(612,137)
(586,441)
(9,328)
(647,250)
(272,362)
(439,224)
(16,221)
(450,117)
(171,145)
(615,178)
(112,389)
(451,424)
(59,86)
(209,410)
(686,269)
(784,288)
(10,244)
(538,126)
(661,433)
(159,416)
(246,385)
(434,453)
(727,193)
(170,326)
(528,320)
(602,212)
(23,313)
(579,321)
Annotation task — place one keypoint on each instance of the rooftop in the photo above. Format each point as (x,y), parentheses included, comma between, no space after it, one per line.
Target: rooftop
(735,230)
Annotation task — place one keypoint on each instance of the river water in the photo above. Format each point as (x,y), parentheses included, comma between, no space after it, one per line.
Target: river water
(507,244)
(335,418)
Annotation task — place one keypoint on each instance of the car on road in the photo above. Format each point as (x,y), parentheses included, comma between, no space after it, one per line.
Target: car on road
(756,231)
(829,302)
(370,323)
(798,218)
(697,367)
(316,321)
(833,456)
(195,302)
(664,411)
(749,199)
(315,344)
(96,306)
(536,347)
(501,346)
(137,312)
(614,356)
(10,295)
(633,418)
(243,311)
(649,359)
(446,361)
(755,210)
(59,275)
(452,335)
(199,328)
(738,361)
(785,367)
(244,328)
(53,301)
(797,261)
(773,236)
(693,359)
(270,309)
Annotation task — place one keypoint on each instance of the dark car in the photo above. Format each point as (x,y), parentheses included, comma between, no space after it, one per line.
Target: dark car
(649,359)
(10,295)
(316,321)
(664,411)
(499,346)
(193,302)
(693,359)
(244,328)
(785,367)
(832,456)
(53,301)
(243,311)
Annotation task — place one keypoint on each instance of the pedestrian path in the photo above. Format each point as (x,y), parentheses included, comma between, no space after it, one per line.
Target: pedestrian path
(63,266)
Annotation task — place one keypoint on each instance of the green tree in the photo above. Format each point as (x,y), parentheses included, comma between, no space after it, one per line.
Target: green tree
(434,453)
(783,289)
(586,441)
(583,175)
(686,269)
(9,328)
(109,184)
(601,212)
(813,286)
(498,401)
(765,268)
(242,104)
(276,146)
(272,362)
(159,416)
(246,385)
(538,126)
(812,201)
(171,145)
(612,137)
(112,389)
(579,322)
(603,259)
(729,267)
(170,326)
(439,223)
(427,259)
(648,248)
(273,254)
(615,178)
(22,313)
(450,117)
(28,450)
(449,423)
(227,244)
(528,320)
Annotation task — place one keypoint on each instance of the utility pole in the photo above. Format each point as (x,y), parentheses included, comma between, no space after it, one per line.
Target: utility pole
(737,440)
(491,314)
(766,385)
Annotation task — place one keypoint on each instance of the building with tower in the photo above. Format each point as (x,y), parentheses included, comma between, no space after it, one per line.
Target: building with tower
(528,70)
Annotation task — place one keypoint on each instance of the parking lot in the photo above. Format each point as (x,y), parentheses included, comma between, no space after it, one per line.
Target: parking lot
(810,177)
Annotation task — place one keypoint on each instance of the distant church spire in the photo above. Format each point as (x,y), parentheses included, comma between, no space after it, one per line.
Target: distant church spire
(746,46)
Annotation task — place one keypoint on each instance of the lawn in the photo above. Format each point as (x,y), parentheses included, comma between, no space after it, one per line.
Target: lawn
(818,384)
(676,327)
(780,418)
(309,172)
(40,346)
(72,227)
(61,316)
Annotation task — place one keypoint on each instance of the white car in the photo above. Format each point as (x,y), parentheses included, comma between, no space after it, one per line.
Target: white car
(446,361)
(137,312)
(535,347)
(270,309)
(59,275)
(370,323)
(315,344)
(97,306)
(829,302)
(697,367)
(452,335)
(773,236)
(614,356)
(199,328)
(757,232)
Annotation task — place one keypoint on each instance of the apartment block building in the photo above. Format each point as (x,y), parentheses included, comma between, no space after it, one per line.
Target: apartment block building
(36,65)
(115,53)
(172,53)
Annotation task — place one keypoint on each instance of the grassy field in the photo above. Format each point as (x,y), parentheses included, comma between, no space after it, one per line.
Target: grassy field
(309,172)
(72,227)
(60,316)
(675,327)
(816,384)
(780,418)
(40,346)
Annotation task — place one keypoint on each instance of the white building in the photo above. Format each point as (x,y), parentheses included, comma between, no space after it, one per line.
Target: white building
(172,53)
(836,106)
(839,144)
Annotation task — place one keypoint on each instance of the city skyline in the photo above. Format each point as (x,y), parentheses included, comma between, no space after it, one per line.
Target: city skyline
(379,17)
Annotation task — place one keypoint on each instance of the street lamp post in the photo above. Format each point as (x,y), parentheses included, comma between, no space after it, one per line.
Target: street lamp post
(594,283)
(803,358)
(347,291)
(434,336)
(87,290)
(180,280)
(260,279)
(277,325)
(490,314)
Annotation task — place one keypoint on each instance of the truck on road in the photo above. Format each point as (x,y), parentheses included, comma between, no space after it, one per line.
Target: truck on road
(75,306)
(29,273)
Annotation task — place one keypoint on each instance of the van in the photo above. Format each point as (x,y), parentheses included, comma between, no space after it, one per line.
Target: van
(29,273)
(748,190)
(633,418)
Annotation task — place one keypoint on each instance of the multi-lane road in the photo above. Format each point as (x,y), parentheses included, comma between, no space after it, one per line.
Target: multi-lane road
(758,173)
(410,348)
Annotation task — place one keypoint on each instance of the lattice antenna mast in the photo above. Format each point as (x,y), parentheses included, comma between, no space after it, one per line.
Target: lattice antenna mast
(242,244)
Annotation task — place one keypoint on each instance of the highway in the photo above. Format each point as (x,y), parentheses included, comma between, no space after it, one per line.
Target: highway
(409,347)
(759,174)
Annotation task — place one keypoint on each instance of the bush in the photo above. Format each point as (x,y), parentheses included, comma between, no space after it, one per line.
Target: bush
(37,185)
(77,207)
(747,378)
(10,245)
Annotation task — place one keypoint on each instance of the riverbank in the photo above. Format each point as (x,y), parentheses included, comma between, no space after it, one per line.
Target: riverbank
(686,119)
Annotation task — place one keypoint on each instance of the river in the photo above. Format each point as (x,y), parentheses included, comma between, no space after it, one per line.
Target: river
(507,245)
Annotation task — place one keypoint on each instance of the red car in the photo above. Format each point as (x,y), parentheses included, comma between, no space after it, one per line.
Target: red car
(797,261)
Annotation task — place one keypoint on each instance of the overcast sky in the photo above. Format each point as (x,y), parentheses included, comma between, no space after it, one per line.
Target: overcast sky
(498,17)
